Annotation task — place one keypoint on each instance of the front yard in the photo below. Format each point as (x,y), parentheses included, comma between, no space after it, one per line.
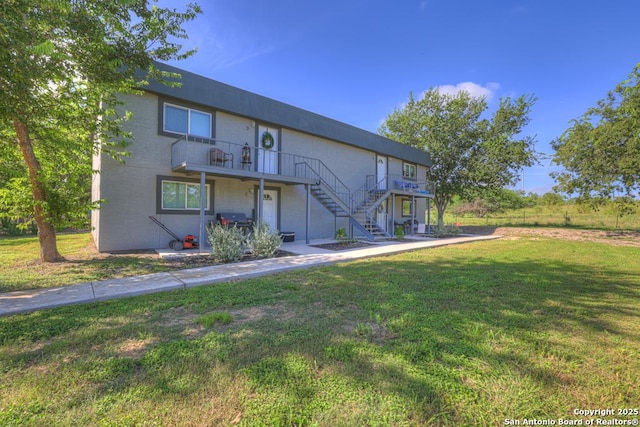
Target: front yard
(21,269)
(523,327)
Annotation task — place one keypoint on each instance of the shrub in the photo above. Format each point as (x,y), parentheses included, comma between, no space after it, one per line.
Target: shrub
(227,243)
(445,231)
(477,207)
(399,232)
(264,242)
(341,234)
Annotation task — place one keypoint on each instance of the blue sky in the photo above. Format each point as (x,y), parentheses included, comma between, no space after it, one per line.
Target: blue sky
(357,60)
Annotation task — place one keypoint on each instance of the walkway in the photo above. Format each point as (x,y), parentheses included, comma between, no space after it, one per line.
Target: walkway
(306,256)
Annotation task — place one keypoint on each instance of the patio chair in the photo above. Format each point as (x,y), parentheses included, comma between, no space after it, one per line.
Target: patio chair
(217,157)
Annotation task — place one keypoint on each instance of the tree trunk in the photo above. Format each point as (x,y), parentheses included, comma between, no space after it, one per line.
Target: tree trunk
(441,206)
(46,231)
(440,216)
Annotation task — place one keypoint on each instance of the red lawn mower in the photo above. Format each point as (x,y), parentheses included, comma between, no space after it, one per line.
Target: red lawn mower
(177,244)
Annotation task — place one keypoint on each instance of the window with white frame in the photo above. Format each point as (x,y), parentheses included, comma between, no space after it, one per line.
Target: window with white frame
(183,120)
(178,195)
(409,170)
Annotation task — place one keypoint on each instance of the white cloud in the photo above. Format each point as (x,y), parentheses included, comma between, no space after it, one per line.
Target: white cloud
(473,89)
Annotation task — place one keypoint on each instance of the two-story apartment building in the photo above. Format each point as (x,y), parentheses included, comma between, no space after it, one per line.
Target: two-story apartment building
(206,147)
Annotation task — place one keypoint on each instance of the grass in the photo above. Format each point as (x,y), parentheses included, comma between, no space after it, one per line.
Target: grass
(568,215)
(21,269)
(465,335)
(210,319)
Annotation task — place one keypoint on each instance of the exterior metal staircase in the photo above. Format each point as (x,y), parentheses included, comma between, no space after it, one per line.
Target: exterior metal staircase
(365,201)
(359,205)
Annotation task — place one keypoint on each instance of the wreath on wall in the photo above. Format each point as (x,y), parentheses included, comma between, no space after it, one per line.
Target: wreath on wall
(267,140)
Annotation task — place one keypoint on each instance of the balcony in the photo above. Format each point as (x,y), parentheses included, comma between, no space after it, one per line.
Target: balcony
(191,154)
(196,154)
(399,184)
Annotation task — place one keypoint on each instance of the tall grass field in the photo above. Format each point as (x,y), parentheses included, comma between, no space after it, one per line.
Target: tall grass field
(480,334)
(567,215)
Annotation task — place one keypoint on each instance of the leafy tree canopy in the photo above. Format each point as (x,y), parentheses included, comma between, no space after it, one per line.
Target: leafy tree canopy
(551,199)
(600,152)
(471,155)
(62,64)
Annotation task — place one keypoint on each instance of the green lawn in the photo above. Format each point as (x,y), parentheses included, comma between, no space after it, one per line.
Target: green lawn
(21,269)
(467,335)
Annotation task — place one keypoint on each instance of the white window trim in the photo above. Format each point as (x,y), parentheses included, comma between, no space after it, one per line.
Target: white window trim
(206,190)
(415,170)
(189,110)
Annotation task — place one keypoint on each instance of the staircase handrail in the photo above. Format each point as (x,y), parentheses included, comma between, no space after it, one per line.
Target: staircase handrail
(319,171)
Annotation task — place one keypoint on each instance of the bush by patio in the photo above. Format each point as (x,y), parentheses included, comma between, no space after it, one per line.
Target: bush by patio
(264,242)
(227,243)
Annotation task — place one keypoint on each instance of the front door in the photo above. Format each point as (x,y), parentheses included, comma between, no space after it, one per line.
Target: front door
(270,208)
(381,172)
(268,150)
(381,216)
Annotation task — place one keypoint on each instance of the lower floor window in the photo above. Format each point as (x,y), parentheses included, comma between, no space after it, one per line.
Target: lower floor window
(183,195)
(407,208)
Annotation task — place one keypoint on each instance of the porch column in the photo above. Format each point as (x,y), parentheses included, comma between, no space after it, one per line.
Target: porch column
(260,200)
(413,213)
(393,215)
(308,222)
(203,187)
(428,216)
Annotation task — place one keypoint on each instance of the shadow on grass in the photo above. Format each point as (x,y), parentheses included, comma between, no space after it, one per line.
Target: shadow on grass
(452,340)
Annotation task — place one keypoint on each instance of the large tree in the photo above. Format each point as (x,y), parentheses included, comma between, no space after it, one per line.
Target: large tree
(62,65)
(471,155)
(600,152)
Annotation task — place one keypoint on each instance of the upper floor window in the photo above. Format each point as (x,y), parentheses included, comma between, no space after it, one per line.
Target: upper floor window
(186,120)
(409,170)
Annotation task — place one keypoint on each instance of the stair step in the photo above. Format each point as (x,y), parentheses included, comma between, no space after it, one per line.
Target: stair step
(359,215)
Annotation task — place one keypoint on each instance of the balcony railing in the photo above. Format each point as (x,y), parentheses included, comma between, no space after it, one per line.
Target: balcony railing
(189,151)
(398,182)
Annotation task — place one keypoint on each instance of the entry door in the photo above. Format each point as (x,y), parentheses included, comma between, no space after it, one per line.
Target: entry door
(381,172)
(270,208)
(381,216)
(268,155)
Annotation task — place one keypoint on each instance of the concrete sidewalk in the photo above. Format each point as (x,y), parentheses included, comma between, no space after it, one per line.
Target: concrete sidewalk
(306,256)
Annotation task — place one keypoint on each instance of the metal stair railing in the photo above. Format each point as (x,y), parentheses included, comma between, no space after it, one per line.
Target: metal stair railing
(370,195)
(366,199)
(327,183)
